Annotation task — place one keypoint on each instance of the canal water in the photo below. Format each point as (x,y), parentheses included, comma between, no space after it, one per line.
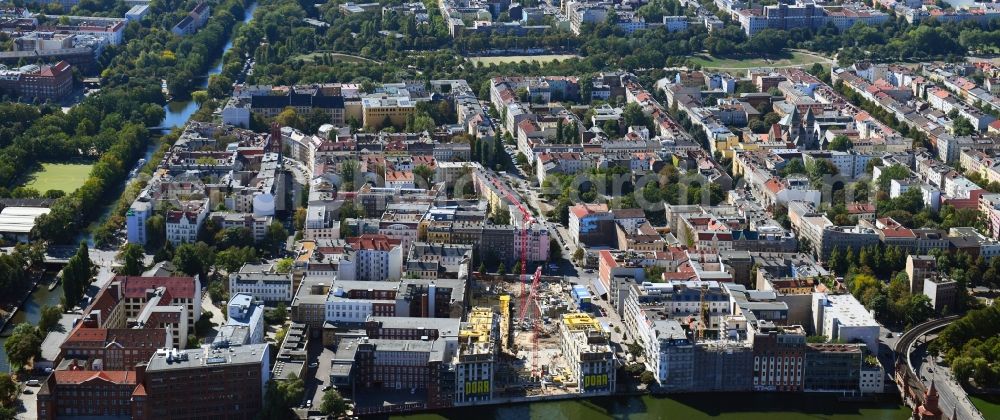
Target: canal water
(719,406)
(30,312)
(177,114)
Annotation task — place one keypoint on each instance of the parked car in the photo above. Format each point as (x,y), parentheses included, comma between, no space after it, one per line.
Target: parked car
(313,365)
(33,382)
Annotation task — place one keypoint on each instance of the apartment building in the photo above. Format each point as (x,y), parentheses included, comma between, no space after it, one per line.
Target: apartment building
(262,283)
(372,258)
(182,225)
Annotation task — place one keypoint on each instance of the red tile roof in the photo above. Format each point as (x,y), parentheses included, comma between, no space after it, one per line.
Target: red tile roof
(399,176)
(893,229)
(104,303)
(583,210)
(178,287)
(81,334)
(140,391)
(855,208)
(74,377)
(373,242)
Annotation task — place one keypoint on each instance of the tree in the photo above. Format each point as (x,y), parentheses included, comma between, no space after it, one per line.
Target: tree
(333,404)
(647,377)
(424,174)
(23,345)
(194,259)
(578,254)
(292,389)
(838,262)
(768,41)
(156,231)
(890,173)
(284,265)
(233,258)
(193,342)
(919,309)
(8,391)
(131,257)
(49,319)
(217,291)
(83,252)
(840,143)
(76,276)
(290,118)
(501,270)
(276,236)
(200,97)
(794,166)
(231,237)
(276,315)
(962,127)
(633,115)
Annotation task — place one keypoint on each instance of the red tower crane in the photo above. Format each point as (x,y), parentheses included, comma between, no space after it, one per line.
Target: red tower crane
(529,298)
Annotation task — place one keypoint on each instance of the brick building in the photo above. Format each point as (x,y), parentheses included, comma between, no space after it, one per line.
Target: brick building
(219,383)
(216,383)
(76,393)
(47,82)
(116,348)
(778,356)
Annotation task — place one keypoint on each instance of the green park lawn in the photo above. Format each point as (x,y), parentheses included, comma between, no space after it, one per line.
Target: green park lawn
(66,177)
(787,59)
(311,57)
(540,59)
(989,405)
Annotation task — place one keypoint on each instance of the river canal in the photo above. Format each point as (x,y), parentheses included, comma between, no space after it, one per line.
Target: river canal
(177,114)
(721,406)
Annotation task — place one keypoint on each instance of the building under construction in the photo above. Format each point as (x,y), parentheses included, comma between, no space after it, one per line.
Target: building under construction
(475,361)
(586,347)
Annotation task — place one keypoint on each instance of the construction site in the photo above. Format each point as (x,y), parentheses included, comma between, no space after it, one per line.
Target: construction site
(536,318)
(549,346)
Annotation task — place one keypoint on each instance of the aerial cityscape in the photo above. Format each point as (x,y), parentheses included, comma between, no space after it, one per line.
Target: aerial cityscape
(576,209)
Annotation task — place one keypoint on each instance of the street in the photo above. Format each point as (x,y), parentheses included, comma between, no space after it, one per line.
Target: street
(951,393)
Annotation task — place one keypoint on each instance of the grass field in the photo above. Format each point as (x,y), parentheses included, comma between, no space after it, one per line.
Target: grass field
(789,59)
(336,57)
(59,176)
(989,405)
(541,59)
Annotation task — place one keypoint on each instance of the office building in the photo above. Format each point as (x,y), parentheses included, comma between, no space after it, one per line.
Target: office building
(587,350)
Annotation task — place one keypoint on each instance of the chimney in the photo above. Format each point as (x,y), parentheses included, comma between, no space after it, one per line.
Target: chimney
(140,373)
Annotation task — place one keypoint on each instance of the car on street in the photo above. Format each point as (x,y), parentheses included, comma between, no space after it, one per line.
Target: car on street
(33,382)
(28,391)
(313,365)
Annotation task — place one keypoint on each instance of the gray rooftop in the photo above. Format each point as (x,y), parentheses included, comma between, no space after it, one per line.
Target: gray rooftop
(200,358)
